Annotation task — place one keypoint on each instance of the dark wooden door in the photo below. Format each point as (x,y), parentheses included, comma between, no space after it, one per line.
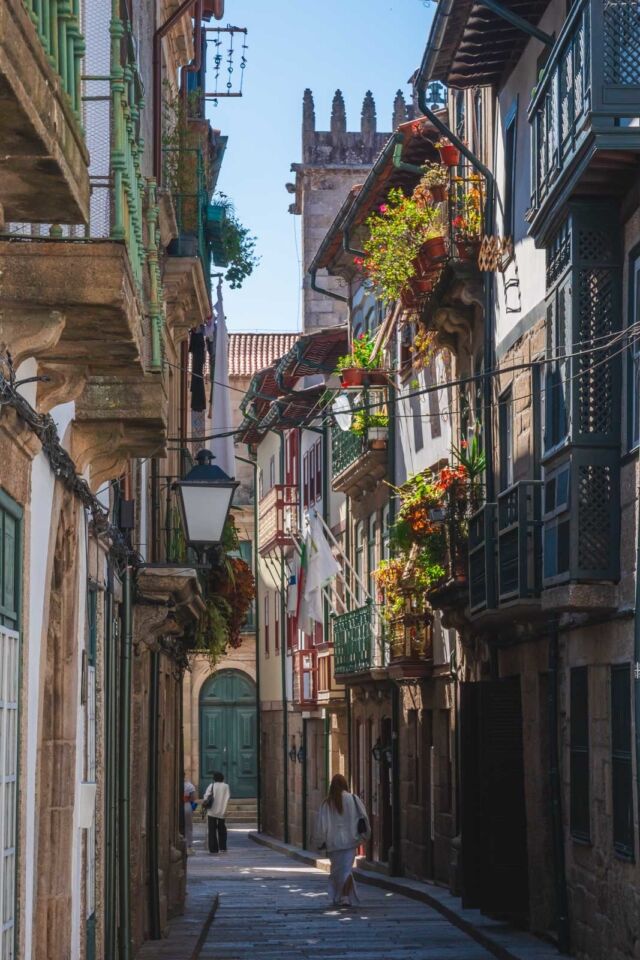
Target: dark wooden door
(494,828)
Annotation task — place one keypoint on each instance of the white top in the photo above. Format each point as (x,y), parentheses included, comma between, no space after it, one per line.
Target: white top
(189,791)
(221,794)
(339,831)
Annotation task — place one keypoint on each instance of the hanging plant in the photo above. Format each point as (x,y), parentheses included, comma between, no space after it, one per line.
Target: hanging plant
(434,184)
(423,348)
(238,245)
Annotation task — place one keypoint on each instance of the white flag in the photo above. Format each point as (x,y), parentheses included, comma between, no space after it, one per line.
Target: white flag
(341,408)
(322,567)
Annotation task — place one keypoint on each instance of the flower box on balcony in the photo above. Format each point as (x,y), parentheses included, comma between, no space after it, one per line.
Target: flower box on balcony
(449,155)
(358,377)
(377,437)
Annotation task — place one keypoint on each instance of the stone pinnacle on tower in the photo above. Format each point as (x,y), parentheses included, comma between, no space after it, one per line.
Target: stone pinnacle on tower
(338,114)
(308,112)
(368,116)
(399,110)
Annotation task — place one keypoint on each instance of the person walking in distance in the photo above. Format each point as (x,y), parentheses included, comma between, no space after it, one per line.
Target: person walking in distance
(188,797)
(342,826)
(215,803)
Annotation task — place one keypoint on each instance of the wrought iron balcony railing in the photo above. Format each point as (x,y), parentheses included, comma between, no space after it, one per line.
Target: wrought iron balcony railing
(346,448)
(588,95)
(278,519)
(358,641)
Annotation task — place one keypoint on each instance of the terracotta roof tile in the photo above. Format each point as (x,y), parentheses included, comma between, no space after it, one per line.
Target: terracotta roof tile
(250,352)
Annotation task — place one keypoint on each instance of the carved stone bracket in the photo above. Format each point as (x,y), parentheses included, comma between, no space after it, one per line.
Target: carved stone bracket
(28,332)
(166,588)
(185,295)
(65,383)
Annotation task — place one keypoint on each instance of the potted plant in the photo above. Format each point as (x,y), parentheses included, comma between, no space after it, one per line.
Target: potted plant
(449,154)
(361,367)
(434,184)
(433,250)
(375,426)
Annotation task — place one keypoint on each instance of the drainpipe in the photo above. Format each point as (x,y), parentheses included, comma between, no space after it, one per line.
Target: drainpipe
(256,577)
(155,932)
(560,876)
(323,290)
(304,784)
(111,772)
(636,657)
(283,674)
(124,775)
(395,781)
(161,32)
(489,220)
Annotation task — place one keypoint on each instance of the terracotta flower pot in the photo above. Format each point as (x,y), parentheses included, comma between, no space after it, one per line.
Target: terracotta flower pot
(422,285)
(439,194)
(408,298)
(352,377)
(449,155)
(467,249)
(432,253)
(375,378)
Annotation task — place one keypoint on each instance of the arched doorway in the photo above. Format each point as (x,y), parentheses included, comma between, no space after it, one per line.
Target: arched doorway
(228,732)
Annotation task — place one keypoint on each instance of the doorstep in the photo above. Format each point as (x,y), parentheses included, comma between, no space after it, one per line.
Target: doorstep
(501,939)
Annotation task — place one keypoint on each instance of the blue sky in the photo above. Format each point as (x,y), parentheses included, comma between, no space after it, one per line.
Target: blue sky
(355,45)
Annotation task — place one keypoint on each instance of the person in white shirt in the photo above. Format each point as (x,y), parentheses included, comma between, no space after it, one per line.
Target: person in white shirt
(341,827)
(218,792)
(188,797)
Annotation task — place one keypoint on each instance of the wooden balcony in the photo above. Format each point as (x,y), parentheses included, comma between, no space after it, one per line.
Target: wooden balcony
(305,678)
(358,643)
(357,466)
(278,519)
(585,138)
(44,175)
(411,646)
(328,689)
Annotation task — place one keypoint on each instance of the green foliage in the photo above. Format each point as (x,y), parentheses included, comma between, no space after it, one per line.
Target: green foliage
(363,420)
(396,233)
(238,246)
(361,356)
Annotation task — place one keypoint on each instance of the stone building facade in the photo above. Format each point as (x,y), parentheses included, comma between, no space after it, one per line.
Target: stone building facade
(93,609)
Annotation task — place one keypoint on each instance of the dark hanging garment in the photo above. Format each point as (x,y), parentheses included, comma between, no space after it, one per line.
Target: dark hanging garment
(197,351)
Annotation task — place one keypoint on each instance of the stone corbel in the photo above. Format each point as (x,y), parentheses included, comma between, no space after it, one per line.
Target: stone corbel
(29,332)
(65,384)
(151,621)
(175,586)
(100,446)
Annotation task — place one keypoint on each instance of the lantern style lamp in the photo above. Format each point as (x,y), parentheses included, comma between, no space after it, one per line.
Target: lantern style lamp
(377,751)
(204,497)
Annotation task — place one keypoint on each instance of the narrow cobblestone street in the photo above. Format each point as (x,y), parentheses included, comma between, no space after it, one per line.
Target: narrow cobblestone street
(274,908)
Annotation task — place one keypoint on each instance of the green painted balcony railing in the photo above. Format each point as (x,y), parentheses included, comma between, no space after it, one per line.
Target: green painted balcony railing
(184,175)
(357,641)
(346,448)
(58,26)
(588,94)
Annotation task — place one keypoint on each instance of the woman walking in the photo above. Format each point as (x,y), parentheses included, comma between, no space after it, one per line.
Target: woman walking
(342,826)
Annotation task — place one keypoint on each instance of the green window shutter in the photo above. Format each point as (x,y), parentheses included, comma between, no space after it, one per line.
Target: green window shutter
(10,561)
(621,763)
(579,750)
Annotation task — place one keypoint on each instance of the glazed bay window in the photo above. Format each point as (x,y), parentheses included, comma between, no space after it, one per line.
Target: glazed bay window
(359,565)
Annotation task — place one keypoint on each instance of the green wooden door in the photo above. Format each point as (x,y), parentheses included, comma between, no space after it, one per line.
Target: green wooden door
(228,732)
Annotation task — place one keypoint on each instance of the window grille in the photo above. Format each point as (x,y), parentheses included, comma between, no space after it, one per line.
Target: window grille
(621,769)
(579,747)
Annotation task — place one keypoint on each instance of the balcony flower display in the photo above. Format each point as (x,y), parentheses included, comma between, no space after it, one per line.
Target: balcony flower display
(373,426)
(406,239)
(467,224)
(449,155)
(361,364)
(434,184)
(423,348)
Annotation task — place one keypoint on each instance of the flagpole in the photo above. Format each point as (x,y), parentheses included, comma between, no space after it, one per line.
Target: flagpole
(356,602)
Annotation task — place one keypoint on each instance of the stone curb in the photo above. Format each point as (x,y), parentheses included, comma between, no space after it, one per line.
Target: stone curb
(500,939)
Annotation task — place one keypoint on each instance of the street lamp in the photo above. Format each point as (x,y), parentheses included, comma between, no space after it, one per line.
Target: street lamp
(204,497)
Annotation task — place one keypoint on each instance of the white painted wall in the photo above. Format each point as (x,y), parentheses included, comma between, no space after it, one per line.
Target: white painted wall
(42,486)
(77,912)
(423,436)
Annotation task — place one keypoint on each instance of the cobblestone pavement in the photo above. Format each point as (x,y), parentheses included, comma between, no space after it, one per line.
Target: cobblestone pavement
(275,908)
